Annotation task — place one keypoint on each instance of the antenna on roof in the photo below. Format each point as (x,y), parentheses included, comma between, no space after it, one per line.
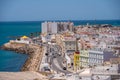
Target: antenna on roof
(77,45)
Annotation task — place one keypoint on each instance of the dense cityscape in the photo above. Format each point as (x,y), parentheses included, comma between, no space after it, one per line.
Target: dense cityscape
(59,39)
(83,52)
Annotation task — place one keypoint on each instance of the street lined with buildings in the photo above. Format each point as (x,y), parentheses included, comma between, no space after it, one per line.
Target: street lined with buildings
(84,52)
(84,47)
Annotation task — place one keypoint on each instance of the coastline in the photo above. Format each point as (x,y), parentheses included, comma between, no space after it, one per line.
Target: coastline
(34,53)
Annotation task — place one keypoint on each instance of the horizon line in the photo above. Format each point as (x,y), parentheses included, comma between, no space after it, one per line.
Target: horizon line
(60,20)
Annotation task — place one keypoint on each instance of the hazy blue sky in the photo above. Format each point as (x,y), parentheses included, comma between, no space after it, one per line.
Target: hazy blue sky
(34,10)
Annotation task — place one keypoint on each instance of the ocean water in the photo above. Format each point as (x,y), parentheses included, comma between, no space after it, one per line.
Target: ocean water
(92,22)
(11,61)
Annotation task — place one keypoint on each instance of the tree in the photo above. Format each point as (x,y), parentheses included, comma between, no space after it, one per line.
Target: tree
(31,35)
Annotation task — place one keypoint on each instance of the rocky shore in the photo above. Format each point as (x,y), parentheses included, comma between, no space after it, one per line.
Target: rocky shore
(34,52)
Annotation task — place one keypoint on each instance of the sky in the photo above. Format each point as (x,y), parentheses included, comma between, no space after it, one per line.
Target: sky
(36,10)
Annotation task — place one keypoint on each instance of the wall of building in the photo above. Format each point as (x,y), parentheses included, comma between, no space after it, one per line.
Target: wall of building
(95,58)
(44,27)
(56,27)
(84,54)
(70,45)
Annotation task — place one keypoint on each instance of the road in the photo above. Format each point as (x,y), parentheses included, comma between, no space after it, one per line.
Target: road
(57,67)
(56,60)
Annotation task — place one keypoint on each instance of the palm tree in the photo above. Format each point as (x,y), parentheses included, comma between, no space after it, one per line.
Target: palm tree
(31,35)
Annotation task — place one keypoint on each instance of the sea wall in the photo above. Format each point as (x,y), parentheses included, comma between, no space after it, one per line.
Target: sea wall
(34,52)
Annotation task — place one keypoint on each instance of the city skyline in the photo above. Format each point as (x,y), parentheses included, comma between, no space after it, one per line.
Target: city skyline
(38,10)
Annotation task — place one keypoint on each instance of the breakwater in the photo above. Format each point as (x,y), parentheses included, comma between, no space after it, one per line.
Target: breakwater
(34,52)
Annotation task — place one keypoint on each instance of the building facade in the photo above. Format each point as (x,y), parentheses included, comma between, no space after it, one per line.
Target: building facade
(56,27)
(96,57)
(76,61)
(49,27)
(44,27)
(70,44)
(67,43)
(99,57)
(84,54)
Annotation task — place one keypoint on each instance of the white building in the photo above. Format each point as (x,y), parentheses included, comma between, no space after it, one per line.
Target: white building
(23,39)
(98,56)
(44,27)
(49,27)
(95,57)
(56,27)
(69,43)
(99,73)
(108,69)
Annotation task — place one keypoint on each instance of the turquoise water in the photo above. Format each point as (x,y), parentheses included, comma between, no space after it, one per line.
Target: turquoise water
(92,22)
(10,61)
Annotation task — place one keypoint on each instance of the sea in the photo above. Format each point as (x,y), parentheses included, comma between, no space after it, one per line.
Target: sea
(11,61)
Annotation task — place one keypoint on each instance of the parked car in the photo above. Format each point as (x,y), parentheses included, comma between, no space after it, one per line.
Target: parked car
(46,54)
(64,68)
(46,69)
